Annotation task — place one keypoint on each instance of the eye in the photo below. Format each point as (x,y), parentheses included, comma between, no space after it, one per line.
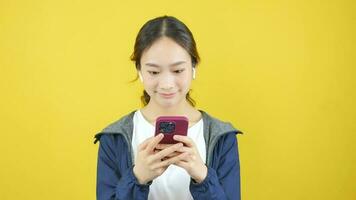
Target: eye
(179,71)
(153,72)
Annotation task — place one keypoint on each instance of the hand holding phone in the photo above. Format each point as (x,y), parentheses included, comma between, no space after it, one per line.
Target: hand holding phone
(170,126)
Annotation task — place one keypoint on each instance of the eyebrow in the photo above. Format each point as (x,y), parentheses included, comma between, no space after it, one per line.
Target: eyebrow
(171,65)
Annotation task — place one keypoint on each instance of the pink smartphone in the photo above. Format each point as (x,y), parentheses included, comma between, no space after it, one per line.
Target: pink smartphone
(170,126)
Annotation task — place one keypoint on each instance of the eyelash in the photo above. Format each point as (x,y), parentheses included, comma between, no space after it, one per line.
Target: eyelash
(176,71)
(179,71)
(153,73)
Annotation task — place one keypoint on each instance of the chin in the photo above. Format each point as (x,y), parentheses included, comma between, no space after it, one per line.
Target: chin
(167,103)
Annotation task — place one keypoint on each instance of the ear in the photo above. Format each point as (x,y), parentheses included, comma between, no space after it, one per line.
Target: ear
(140,76)
(193,73)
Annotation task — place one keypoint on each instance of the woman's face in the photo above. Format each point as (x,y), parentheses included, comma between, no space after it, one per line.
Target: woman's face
(166,70)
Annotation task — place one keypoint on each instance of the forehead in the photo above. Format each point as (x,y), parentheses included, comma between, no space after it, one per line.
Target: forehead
(165,51)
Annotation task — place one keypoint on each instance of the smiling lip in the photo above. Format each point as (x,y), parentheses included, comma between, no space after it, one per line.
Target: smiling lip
(170,95)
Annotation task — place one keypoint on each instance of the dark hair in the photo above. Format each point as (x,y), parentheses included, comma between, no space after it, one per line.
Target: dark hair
(153,30)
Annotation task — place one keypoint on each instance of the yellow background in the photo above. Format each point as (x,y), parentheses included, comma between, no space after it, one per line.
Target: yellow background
(281,71)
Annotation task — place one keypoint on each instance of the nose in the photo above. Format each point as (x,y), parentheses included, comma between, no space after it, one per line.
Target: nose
(166,82)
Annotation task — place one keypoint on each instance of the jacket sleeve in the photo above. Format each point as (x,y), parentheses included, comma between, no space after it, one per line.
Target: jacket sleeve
(115,178)
(223,178)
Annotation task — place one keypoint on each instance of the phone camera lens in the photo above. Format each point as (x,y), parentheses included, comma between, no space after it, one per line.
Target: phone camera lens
(167,127)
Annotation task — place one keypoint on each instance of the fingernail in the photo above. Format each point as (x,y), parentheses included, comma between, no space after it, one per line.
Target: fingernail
(176,137)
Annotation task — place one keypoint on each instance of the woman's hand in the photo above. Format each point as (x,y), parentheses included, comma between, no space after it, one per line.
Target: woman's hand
(190,158)
(150,164)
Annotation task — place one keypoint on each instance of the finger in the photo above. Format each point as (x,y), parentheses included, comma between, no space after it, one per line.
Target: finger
(172,155)
(162,169)
(152,144)
(163,153)
(185,139)
(163,146)
(143,145)
(182,164)
(170,161)
(184,149)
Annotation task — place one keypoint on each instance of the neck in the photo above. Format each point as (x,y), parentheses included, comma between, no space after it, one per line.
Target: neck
(153,111)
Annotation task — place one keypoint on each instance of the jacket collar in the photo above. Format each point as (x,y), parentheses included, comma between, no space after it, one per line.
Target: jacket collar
(212,127)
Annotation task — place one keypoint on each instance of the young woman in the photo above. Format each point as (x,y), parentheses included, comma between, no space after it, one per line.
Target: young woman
(131,162)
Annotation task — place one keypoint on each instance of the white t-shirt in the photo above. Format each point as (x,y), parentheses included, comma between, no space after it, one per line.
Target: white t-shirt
(173,184)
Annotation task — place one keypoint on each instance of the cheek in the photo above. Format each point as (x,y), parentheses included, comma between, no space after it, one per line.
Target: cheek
(150,86)
(184,83)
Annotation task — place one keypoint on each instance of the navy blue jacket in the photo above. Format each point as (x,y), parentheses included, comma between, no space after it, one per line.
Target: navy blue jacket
(115,178)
